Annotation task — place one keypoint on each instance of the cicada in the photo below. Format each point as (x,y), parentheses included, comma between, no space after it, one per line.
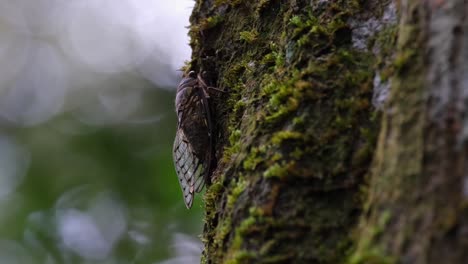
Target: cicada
(193,145)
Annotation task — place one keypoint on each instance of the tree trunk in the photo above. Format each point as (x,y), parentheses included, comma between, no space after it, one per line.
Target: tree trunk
(419,189)
(305,84)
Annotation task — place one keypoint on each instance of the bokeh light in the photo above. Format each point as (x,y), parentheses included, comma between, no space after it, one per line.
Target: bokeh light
(49,47)
(14,162)
(86,130)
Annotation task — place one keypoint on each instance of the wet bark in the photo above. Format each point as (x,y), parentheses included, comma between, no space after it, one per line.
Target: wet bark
(298,177)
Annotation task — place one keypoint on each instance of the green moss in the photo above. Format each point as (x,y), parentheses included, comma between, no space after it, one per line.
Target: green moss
(276,170)
(281,136)
(268,59)
(296,21)
(211,196)
(372,256)
(244,228)
(298,95)
(384,42)
(239,106)
(368,252)
(297,153)
(234,137)
(232,3)
(298,121)
(404,59)
(222,231)
(234,141)
(311,31)
(237,188)
(396,178)
(279,60)
(240,257)
(207,23)
(186,67)
(261,5)
(255,157)
(277,156)
(304,23)
(212,22)
(283,100)
(248,36)
(241,230)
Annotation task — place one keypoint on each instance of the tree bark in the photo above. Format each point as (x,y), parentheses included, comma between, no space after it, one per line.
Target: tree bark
(419,189)
(297,179)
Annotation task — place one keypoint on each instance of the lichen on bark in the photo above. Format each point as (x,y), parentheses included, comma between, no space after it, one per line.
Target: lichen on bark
(296,127)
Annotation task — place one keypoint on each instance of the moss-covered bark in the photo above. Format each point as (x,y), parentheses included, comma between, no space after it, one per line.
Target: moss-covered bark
(296,126)
(417,205)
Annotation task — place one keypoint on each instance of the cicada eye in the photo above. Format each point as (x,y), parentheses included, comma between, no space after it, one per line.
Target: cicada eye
(186,82)
(192,74)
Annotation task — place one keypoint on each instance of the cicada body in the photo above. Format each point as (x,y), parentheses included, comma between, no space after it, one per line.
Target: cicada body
(193,145)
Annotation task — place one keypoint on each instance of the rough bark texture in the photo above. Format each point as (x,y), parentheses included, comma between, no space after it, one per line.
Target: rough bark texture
(298,122)
(418,199)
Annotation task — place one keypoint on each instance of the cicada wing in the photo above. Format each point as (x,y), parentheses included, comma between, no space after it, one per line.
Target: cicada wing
(188,167)
(205,109)
(200,179)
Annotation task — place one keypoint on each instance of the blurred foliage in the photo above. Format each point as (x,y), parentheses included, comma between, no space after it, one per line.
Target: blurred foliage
(86,170)
(73,165)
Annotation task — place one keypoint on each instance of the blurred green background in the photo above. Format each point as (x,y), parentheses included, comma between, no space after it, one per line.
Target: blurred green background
(87,124)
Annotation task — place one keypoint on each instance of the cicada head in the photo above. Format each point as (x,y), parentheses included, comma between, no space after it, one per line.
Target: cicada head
(186,85)
(190,79)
